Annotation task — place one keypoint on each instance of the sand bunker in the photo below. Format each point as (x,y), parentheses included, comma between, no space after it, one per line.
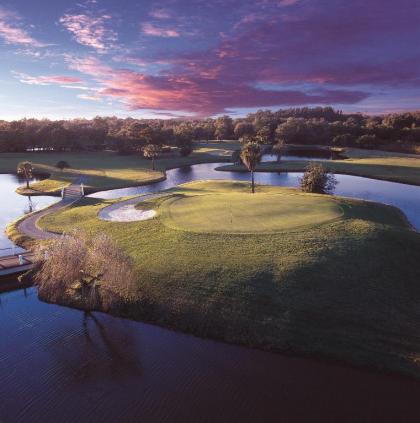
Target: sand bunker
(125,211)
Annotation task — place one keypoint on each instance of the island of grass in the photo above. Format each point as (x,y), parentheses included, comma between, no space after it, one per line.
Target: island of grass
(278,270)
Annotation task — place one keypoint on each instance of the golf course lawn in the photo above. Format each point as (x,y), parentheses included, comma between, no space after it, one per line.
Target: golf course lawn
(106,170)
(100,170)
(344,286)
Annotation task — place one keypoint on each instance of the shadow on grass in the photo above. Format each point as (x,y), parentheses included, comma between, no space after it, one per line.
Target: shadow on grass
(87,201)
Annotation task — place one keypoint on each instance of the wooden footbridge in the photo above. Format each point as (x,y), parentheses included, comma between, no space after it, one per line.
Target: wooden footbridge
(16,263)
(20,262)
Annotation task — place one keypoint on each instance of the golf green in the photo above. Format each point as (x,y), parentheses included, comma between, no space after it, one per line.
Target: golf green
(248,213)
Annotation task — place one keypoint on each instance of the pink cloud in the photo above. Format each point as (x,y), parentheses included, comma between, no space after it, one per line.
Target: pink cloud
(46,79)
(88,65)
(160,14)
(208,96)
(200,94)
(287,2)
(89,97)
(12,32)
(157,31)
(274,56)
(90,31)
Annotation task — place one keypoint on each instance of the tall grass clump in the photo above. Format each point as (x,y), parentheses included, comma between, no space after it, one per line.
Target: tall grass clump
(91,273)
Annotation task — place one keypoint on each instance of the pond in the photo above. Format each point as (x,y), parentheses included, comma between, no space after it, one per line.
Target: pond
(15,205)
(304,154)
(59,364)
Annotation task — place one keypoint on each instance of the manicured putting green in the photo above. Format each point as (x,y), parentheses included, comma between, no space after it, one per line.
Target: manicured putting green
(248,213)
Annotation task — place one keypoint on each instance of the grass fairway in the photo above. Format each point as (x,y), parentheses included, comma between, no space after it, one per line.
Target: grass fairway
(101,170)
(244,213)
(347,288)
(107,170)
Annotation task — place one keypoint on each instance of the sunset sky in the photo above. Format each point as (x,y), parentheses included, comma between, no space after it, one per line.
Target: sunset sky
(63,59)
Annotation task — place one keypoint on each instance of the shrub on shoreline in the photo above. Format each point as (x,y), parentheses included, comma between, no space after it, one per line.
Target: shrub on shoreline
(85,272)
(318,180)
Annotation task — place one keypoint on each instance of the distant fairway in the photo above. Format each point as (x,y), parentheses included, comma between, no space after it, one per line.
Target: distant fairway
(248,213)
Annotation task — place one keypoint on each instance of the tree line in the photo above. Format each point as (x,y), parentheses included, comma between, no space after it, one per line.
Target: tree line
(318,125)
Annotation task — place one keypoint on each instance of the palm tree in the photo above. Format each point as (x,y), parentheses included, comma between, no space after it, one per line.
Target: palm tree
(25,169)
(151,151)
(251,156)
(279,148)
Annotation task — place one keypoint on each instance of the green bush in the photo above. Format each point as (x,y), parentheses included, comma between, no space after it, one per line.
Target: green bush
(317,179)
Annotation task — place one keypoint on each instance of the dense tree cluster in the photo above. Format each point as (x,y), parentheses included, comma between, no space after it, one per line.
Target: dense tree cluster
(319,125)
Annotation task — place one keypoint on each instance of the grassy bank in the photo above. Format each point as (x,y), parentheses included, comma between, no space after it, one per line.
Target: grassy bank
(344,287)
(100,171)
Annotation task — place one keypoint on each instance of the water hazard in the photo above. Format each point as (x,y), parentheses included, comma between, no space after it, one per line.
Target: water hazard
(60,364)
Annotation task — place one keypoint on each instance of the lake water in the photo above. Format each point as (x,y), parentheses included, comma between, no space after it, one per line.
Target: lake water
(13,206)
(273,158)
(61,365)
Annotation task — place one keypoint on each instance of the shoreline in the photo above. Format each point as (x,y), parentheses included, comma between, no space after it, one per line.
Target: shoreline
(241,169)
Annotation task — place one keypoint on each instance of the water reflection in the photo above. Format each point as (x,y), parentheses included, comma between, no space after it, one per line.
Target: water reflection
(31,206)
(99,348)
(14,205)
(274,158)
(60,364)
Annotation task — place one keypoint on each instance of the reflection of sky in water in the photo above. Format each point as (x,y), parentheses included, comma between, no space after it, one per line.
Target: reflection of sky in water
(273,158)
(14,205)
(406,197)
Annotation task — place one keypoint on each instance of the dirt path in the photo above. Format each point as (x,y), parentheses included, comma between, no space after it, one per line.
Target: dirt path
(29,227)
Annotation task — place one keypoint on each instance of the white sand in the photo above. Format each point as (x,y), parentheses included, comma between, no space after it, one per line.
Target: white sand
(125,211)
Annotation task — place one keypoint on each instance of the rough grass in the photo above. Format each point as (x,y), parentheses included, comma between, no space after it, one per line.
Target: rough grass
(347,290)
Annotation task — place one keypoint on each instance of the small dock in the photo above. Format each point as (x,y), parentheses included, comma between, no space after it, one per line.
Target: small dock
(16,263)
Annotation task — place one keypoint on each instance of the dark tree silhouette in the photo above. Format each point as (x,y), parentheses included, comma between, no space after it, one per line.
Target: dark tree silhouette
(25,169)
(151,151)
(251,156)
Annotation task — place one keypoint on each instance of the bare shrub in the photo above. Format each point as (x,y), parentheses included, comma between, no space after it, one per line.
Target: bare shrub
(318,180)
(92,273)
